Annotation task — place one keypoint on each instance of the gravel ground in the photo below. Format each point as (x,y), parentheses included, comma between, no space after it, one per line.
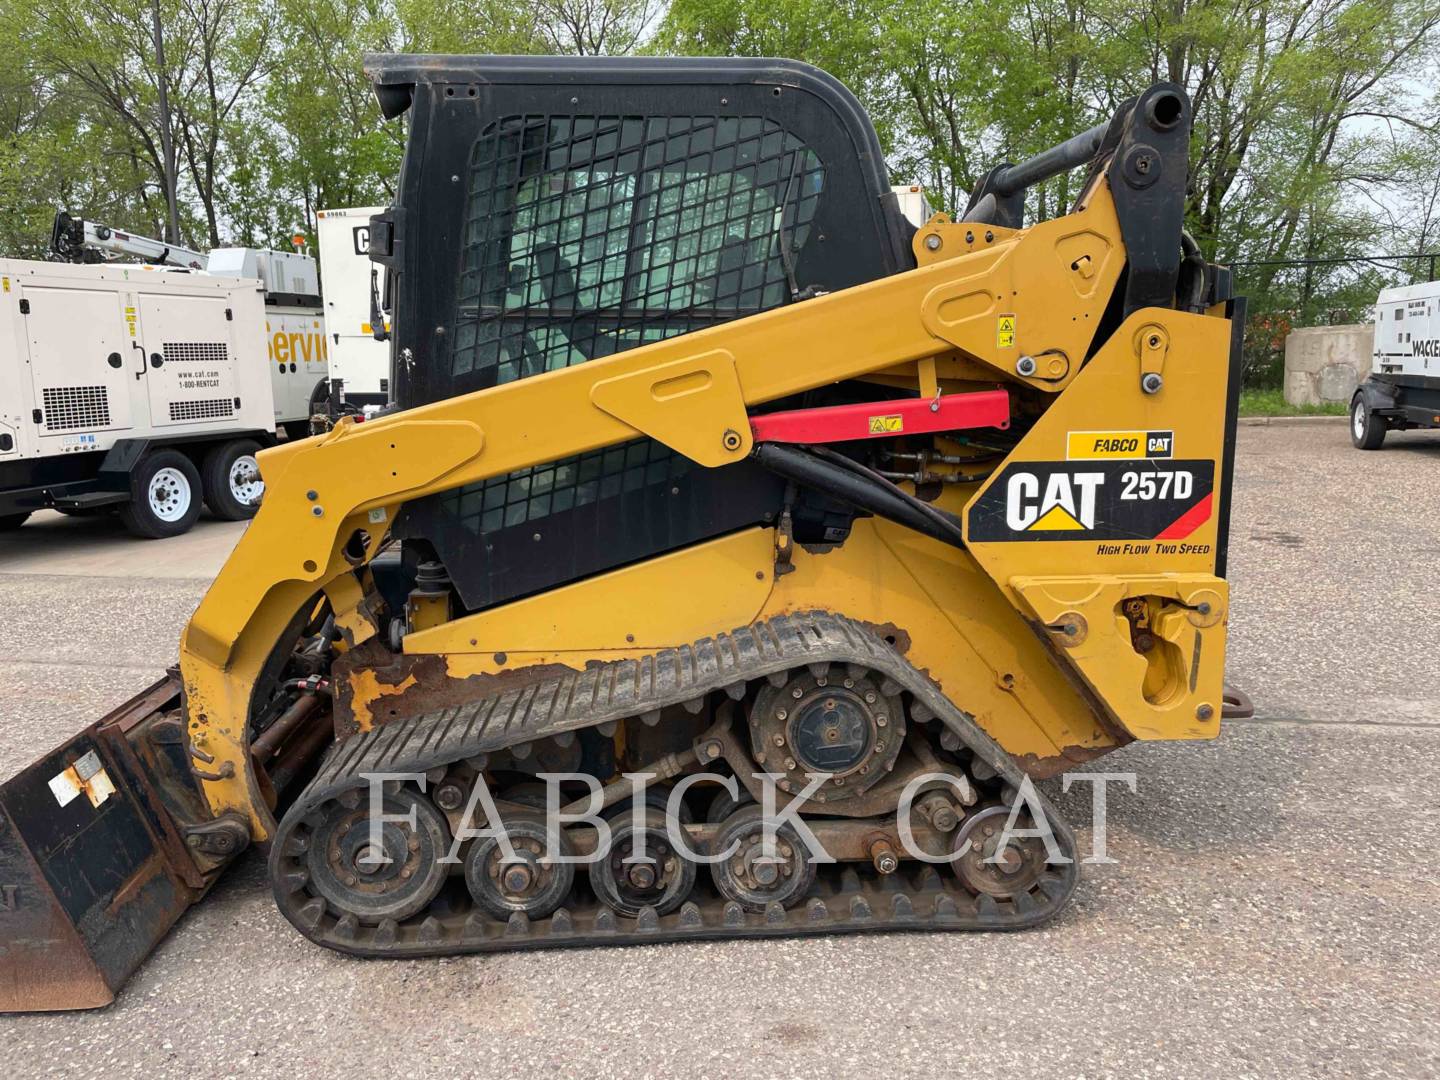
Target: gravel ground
(1271,910)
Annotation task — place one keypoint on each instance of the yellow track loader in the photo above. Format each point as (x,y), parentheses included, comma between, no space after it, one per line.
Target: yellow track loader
(736,556)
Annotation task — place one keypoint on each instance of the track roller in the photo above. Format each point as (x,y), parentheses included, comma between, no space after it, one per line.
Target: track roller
(753,877)
(662,880)
(533,884)
(392,874)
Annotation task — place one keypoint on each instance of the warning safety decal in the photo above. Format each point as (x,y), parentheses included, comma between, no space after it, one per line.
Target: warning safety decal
(1095,500)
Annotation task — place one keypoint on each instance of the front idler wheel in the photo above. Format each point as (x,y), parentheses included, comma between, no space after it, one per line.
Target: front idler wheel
(392,875)
(663,880)
(754,877)
(532,884)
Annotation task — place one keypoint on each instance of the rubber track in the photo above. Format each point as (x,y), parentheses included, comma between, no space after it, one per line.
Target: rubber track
(916,898)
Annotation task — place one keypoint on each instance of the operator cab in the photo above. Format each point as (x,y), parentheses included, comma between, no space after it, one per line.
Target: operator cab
(553,211)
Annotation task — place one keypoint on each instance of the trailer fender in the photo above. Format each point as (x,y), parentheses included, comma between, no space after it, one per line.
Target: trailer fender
(1378,396)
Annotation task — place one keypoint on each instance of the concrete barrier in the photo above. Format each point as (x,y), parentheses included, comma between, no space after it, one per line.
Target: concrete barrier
(1325,363)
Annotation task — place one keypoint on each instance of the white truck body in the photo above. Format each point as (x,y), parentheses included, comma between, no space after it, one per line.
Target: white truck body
(914,206)
(295,342)
(355,356)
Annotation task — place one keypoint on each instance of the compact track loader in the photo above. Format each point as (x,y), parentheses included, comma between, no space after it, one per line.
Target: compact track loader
(710,468)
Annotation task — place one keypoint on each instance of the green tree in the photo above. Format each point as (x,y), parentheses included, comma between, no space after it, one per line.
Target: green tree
(324,142)
(1296,101)
(1315,133)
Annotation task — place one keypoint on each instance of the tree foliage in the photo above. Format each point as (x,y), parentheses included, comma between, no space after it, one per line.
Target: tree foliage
(1315,120)
(1316,131)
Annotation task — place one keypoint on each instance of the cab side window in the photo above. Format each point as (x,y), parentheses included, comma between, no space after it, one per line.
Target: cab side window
(585,236)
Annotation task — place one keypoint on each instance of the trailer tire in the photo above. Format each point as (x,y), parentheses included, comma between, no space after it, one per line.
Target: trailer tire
(164,496)
(13,521)
(1367,430)
(233,488)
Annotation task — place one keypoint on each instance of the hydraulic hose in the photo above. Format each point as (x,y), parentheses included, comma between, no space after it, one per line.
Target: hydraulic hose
(941,518)
(871,493)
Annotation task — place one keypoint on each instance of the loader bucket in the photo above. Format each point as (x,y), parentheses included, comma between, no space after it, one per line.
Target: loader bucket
(93,871)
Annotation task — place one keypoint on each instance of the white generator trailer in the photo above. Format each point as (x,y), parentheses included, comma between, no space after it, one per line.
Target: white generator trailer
(133,388)
(1403,388)
(294,334)
(359,362)
(147,388)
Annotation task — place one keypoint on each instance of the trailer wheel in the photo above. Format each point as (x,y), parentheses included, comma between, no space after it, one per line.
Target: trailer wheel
(164,496)
(13,521)
(1367,431)
(233,488)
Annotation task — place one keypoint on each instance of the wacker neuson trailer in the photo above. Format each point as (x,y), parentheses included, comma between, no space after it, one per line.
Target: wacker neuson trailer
(132,387)
(1403,388)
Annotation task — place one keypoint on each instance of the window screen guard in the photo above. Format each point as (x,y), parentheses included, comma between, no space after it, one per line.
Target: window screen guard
(585,236)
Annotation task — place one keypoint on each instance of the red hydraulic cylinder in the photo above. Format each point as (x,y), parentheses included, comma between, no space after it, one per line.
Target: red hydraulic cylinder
(885,419)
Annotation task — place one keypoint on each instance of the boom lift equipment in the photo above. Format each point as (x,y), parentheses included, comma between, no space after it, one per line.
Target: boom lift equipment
(78,240)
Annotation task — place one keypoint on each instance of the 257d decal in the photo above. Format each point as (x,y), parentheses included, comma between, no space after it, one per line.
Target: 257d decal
(1095,500)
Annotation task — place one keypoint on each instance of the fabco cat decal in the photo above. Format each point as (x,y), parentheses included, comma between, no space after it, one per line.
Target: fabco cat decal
(1104,445)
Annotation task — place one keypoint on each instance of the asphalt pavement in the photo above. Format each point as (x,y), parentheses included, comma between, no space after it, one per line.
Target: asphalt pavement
(1272,909)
